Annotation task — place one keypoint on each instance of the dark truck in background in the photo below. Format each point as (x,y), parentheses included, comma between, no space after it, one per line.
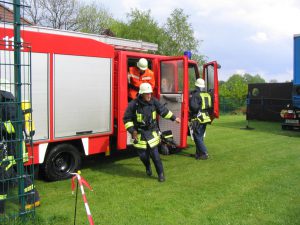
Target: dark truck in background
(291,114)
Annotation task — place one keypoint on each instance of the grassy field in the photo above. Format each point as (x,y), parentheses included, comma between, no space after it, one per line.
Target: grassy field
(252,177)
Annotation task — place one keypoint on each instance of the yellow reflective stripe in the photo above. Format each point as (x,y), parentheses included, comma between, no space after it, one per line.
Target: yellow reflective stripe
(139,117)
(129,124)
(9,127)
(206,98)
(11,160)
(154,144)
(141,144)
(169,115)
(25,153)
(155,140)
(154,115)
(2,197)
(29,188)
(169,136)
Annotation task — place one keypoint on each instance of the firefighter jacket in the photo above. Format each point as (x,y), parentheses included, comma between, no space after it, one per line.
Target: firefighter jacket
(8,112)
(200,106)
(135,80)
(141,116)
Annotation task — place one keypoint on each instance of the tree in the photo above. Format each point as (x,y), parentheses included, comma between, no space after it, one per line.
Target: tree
(141,26)
(34,12)
(60,14)
(94,18)
(253,79)
(181,34)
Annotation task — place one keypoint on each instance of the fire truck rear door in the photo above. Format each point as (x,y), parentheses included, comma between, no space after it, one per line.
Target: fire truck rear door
(210,75)
(173,92)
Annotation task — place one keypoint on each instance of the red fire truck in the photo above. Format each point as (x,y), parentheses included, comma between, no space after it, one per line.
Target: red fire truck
(79,92)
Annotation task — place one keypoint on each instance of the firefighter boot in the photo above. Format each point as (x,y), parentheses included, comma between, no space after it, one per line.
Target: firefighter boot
(2,207)
(149,171)
(33,202)
(161,177)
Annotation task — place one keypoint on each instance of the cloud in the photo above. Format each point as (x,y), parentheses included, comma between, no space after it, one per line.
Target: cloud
(278,19)
(259,37)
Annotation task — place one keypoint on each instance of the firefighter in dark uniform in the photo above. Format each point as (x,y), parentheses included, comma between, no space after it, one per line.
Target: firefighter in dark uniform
(200,109)
(140,122)
(8,174)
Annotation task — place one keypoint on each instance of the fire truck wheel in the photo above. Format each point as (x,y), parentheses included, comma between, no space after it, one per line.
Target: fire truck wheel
(62,160)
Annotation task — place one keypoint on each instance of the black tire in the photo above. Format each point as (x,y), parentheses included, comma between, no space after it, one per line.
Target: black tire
(62,160)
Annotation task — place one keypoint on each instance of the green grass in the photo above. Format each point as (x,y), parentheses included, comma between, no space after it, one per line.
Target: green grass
(252,177)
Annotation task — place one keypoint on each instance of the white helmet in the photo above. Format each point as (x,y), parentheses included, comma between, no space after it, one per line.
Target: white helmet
(200,83)
(142,64)
(145,88)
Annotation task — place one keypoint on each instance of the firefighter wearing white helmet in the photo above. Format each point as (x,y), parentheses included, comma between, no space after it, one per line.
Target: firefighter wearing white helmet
(138,75)
(140,121)
(8,111)
(200,110)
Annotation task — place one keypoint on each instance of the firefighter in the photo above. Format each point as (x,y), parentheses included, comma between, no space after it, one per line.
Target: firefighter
(8,173)
(200,109)
(138,75)
(140,122)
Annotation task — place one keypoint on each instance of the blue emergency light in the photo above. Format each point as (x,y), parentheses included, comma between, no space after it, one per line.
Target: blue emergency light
(188,54)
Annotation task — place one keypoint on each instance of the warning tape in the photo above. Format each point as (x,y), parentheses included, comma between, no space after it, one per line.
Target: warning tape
(81,181)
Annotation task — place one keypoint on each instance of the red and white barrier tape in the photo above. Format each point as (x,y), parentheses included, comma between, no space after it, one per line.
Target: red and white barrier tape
(81,181)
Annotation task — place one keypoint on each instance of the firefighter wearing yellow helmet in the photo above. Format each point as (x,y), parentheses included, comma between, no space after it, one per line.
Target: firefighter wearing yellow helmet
(140,121)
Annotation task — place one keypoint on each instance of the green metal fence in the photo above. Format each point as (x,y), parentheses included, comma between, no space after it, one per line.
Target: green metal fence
(18,196)
(232,105)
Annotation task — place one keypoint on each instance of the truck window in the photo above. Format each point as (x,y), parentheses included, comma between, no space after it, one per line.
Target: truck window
(193,75)
(209,78)
(171,77)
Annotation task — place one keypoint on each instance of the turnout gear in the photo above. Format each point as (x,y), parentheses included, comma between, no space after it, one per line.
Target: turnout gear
(140,118)
(136,79)
(200,109)
(29,127)
(8,155)
(200,106)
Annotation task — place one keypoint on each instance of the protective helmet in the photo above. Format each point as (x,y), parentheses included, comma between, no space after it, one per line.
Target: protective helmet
(142,64)
(145,88)
(200,83)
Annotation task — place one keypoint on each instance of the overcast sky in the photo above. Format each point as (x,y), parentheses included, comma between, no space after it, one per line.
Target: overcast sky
(244,36)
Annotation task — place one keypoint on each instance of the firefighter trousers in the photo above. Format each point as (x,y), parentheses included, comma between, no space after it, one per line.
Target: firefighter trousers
(154,154)
(8,180)
(198,135)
